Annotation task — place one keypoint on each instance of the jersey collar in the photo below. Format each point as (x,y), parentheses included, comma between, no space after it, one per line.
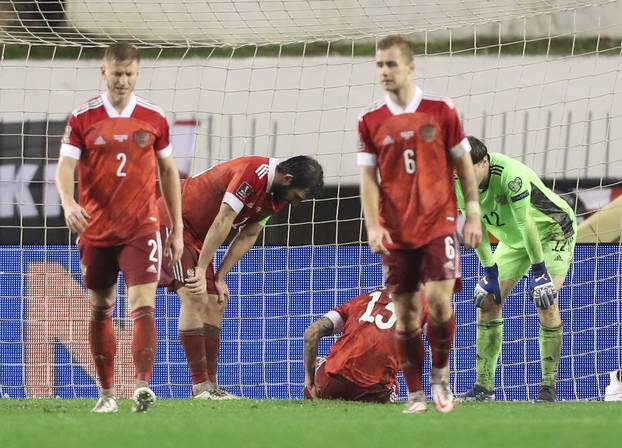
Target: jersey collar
(112,112)
(272,163)
(411,108)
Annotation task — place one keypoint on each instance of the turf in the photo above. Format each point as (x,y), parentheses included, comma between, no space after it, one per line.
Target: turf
(297,424)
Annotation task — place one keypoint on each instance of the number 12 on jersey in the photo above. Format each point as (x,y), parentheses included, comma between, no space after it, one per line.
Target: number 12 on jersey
(409,161)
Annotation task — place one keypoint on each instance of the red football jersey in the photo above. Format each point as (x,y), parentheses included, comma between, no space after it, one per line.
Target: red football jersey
(412,149)
(243,183)
(117,167)
(365,354)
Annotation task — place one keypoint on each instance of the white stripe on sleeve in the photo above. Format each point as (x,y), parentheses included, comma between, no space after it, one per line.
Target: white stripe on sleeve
(70,151)
(336,319)
(233,201)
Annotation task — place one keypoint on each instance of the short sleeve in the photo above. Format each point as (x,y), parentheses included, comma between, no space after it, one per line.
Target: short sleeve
(368,153)
(72,142)
(162,144)
(456,142)
(243,189)
(338,316)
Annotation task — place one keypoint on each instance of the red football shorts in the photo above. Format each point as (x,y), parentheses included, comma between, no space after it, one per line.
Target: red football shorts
(438,260)
(173,277)
(336,387)
(139,260)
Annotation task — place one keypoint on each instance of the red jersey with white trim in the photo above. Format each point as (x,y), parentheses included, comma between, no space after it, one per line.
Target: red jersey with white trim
(365,354)
(243,183)
(116,155)
(412,149)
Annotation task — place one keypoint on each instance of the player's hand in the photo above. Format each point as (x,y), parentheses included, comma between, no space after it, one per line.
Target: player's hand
(76,217)
(223,290)
(376,237)
(472,233)
(489,284)
(543,293)
(196,283)
(174,246)
(310,392)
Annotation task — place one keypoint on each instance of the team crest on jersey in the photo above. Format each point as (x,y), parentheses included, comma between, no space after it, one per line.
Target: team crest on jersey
(515,185)
(429,133)
(244,191)
(67,134)
(141,138)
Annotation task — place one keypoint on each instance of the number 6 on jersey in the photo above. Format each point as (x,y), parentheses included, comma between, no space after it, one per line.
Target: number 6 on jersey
(409,161)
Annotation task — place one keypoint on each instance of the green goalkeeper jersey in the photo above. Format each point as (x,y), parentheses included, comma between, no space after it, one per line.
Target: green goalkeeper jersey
(519,210)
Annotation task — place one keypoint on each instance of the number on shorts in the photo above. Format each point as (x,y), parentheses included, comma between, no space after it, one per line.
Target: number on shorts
(378,320)
(409,161)
(450,251)
(154,250)
(123,160)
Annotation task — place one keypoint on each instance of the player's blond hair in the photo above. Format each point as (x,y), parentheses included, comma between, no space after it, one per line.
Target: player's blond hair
(121,52)
(397,41)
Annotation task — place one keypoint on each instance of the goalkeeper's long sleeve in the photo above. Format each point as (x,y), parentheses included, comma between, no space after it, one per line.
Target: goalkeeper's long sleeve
(528,230)
(484,251)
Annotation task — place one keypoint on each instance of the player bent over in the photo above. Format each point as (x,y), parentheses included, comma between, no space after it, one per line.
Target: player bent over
(115,140)
(363,363)
(410,144)
(536,229)
(241,195)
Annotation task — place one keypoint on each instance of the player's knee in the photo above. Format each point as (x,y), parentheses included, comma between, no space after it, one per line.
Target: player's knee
(440,311)
(550,317)
(490,311)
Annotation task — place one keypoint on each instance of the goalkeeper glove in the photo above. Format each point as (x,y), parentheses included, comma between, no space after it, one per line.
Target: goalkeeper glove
(489,284)
(543,292)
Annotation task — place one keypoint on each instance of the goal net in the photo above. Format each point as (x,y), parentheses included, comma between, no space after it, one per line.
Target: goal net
(537,80)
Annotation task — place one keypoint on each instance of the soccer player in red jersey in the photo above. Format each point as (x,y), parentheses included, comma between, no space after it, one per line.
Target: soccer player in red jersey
(410,144)
(240,195)
(362,364)
(115,140)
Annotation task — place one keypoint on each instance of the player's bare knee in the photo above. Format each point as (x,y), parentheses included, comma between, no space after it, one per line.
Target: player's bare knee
(490,311)
(550,316)
(103,297)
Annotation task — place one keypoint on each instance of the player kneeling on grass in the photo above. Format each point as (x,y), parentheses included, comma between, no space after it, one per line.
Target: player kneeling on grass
(363,363)
(241,195)
(535,228)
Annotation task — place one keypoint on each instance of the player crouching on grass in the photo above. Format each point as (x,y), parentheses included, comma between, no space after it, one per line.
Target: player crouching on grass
(536,228)
(363,363)
(241,194)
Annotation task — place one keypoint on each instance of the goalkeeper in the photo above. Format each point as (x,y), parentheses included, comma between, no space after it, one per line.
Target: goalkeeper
(536,229)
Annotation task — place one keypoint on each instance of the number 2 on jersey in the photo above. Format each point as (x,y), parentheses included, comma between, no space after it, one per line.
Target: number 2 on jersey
(378,320)
(122,161)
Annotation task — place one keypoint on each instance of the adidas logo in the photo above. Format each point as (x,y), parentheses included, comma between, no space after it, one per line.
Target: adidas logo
(387,140)
(100,140)
(152,269)
(559,258)
(262,170)
(450,265)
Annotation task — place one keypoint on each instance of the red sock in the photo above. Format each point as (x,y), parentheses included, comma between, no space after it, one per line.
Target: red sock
(193,342)
(212,350)
(441,336)
(411,353)
(103,344)
(143,342)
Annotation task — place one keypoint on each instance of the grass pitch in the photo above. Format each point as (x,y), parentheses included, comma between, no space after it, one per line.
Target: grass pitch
(297,424)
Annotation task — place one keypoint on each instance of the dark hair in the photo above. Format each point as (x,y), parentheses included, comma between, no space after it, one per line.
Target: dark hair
(306,173)
(397,41)
(478,150)
(121,52)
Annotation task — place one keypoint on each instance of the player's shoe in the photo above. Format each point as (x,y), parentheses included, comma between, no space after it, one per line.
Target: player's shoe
(213,392)
(442,396)
(613,392)
(107,404)
(416,403)
(547,394)
(144,399)
(477,393)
